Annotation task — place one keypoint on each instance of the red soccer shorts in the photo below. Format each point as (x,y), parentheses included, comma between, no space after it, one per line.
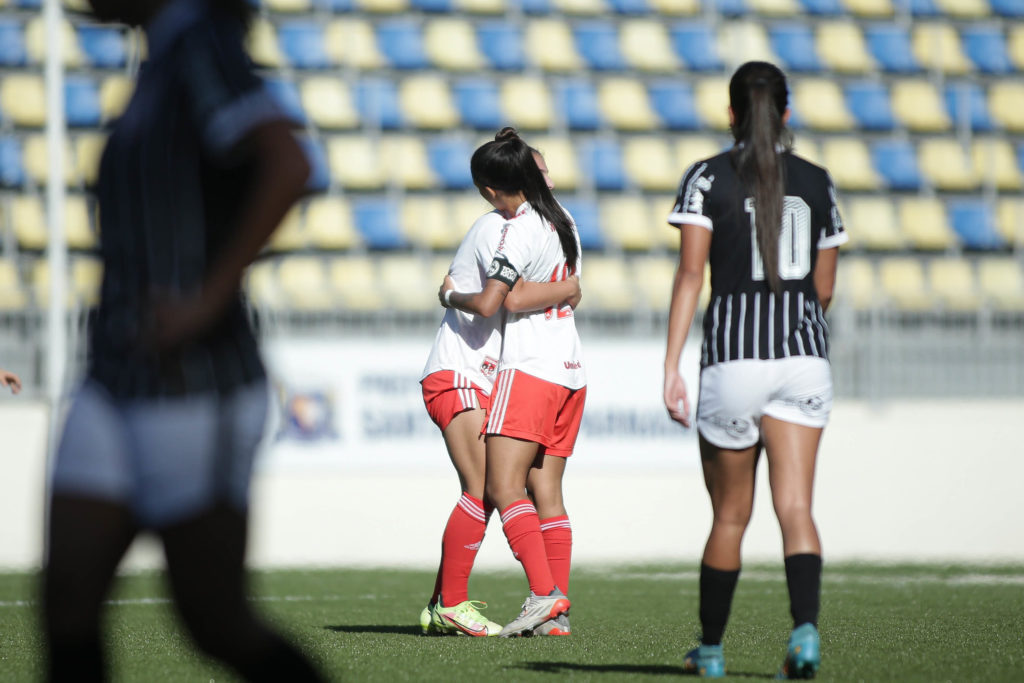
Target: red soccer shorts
(447,393)
(525,407)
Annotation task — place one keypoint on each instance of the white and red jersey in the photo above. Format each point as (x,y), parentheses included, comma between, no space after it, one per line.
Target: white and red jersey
(466,343)
(540,343)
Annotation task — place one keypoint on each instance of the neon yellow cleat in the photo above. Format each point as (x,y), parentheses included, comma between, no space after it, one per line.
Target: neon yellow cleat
(426,621)
(464,618)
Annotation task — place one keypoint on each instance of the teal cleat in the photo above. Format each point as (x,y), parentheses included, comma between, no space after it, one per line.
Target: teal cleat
(707,661)
(803,656)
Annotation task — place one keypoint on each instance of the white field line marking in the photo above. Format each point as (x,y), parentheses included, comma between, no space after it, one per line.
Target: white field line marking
(974,579)
(167,601)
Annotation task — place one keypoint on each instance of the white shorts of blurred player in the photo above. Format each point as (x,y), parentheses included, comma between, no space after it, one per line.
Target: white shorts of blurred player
(167,459)
(736,394)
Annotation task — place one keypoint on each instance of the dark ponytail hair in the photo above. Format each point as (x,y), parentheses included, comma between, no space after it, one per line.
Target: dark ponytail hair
(507,164)
(759,96)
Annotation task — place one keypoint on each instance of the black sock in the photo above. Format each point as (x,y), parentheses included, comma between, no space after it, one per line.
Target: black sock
(716,589)
(803,576)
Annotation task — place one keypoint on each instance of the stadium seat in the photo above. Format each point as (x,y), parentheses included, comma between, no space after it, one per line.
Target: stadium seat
(588,224)
(1001,282)
(79,231)
(922,8)
(598,44)
(12,293)
(650,163)
(856,283)
(320,171)
(355,162)
(697,45)
(627,224)
(952,281)
(12,173)
(354,283)
(1006,104)
(549,45)
(675,104)
(1010,220)
(401,44)
(451,45)
(849,162)
(609,287)
(39,286)
(842,47)
(102,46)
(378,223)
(937,47)
(28,220)
(377,102)
(36,160)
(625,104)
(652,277)
(392,7)
(481,6)
(629,6)
(646,46)
(995,163)
(775,8)
(872,224)
(924,224)
(502,43)
(808,148)
(329,223)
(903,284)
(823,7)
(794,43)
(329,102)
(745,40)
(527,102)
(261,285)
(479,103)
(408,285)
(263,46)
(919,107)
(713,102)
(290,234)
(466,208)
(964,9)
(23,100)
(601,161)
(671,8)
(946,165)
(576,100)
(974,221)
(1015,44)
(868,101)
(967,106)
(286,94)
(821,104)
(591,7)
(427,222)
(288,5)
(439,6)
(12,43)
(37,42)
(303,44)
(427,102)
(561,159)
(351,42)
(115,91)
(986,47)
(81,101)
(690,149)
(304,284)
(896,162)
(890,45)
(1007,8)
(449,159)
(405,162)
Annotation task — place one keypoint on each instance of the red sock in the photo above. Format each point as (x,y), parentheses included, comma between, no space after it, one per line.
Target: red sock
(459,545)
(522,529)
(558,545)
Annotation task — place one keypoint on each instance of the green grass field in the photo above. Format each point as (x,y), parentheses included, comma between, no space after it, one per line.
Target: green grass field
(899,623)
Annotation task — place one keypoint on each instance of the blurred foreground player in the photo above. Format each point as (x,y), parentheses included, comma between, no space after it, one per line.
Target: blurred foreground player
(195,177)
(9,379)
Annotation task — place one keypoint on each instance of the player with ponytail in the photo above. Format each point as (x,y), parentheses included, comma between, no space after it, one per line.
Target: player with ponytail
(768,223)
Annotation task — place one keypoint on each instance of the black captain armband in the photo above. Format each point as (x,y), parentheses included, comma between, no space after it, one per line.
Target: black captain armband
(502,271)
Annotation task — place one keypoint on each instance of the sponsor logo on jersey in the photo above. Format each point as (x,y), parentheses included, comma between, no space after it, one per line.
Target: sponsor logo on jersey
(488,367)
(504,233)
(573,365)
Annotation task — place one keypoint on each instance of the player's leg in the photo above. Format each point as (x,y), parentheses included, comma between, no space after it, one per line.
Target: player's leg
(544,486)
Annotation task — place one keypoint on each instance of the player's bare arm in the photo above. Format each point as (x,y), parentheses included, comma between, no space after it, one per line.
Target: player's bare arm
(694,245)
(825,275)
(535,296)
(485,303)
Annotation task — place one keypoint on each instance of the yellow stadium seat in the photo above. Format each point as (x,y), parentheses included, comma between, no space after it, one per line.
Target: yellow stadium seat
(23,99)
(744,41)
(290,234)
(287,5)
(78,223)
(996,163)
(351,42)
(355,163)
(965,9)
(481,6)
(328,102)
(607,284)
(384,6)
(924,223)
(712,101)
(427,222)
(580,6)
(263,45)
(86,276)
(650,163)
(675,7)
(872,224)
(29,221)
(40,286)
(75,5)
(652,277)
(775,7)
(329,223)
(36,160)
(466,208)
(304,283)
(115,91)
(870,8)
(1001,282)
(1015,44)
(646,46)
(37,42)
(917,104)
(1010,220)
(12,293)
(1006,103)
(691,149)
(946,165)
(856,283)
(952,282)
(451,45)
(549,43)
(903,282)
(88,150)
(808,149)
(426,102)
(560,156)
(849,162)
(355,284)
(527,102)
(842,47)
(261,285)
(626,222)
(625,104)
(937,47)
(406,283)
(821,104)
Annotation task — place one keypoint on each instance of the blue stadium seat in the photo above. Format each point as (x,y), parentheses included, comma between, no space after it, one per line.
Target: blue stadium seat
(12,43)
(824,7)
(602,159)
(630,6)
(896,162)
(377,102)
(433,5)
(968,99)
(1020,156)
(1007,8)
(319,175)
(81,101)
(923,8)
(869,103)
(598,44)
(378,222)
(974,222)
(402,44)
(794,43)
(576,99)
(103,46)
(986,47)
(534,6)
(287,95)
(479,103)
(335,5)
(12,174)
(588,223)
(450,161)
(302,43)
(502,44)
(729,8)
(697,46)
(674,103)
(890,46)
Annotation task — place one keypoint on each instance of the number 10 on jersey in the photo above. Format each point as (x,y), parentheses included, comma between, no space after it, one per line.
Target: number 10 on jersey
(794,240)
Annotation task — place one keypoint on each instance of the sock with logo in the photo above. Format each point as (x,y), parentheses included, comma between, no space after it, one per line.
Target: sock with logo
(716,590)
(459,545)
(557,534)
(522,529)
(803,577)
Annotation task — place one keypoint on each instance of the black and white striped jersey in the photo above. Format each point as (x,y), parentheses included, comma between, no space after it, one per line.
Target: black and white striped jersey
(744,318)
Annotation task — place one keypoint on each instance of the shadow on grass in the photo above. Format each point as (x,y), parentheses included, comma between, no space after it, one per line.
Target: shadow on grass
(374,628)
(651,669)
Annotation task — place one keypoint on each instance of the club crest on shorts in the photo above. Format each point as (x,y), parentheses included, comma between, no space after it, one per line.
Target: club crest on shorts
(735,425)
(812,405)
(489,367)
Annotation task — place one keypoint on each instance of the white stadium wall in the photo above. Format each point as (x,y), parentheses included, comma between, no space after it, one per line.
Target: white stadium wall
(353,473)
